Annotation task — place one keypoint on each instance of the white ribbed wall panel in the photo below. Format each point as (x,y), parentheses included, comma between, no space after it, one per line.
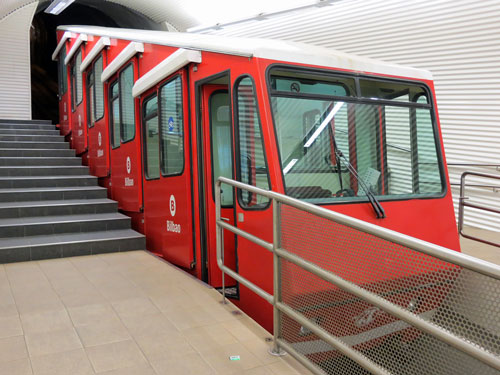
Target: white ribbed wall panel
(15,76)
(459,41)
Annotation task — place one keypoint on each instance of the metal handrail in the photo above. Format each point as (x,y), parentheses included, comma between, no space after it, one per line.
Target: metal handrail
(436,251)
(462,204)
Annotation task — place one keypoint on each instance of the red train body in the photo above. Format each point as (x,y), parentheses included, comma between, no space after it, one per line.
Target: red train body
(162,114)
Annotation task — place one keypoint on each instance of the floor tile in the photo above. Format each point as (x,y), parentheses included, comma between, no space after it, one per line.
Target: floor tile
(169,346)
(281,368)
(140,306)
(151,325)
(135,370)
(220,359)
(12,348)
(18,367)
(189,364)
(102,332)
(240,329)
(115,356)
(8,309)
(83,296)
(260,348)
(52,342)
(258,371)
(45,321)
(92,313)
(209,337)
(74,362)
(10,326)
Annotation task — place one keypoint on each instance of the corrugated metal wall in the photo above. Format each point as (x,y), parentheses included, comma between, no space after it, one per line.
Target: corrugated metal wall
(459,41)
(15,76)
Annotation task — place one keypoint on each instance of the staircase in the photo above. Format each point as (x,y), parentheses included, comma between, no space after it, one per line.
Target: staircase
(50,207)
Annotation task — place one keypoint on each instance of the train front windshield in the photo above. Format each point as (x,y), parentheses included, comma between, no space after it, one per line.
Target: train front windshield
(341,138)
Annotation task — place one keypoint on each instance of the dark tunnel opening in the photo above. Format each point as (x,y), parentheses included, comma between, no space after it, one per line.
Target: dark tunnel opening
(44,87)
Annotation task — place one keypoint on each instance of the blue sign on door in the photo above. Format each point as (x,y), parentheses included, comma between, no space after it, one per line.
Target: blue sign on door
(170,124)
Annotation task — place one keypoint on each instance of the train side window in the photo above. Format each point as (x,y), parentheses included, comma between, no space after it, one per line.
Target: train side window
(115,114)
(91,98)
(127,128)
(151,138)
(95,90)
(78,75)
(252,168)
(63,77)
(429,178)
(73,87)
(172,133)
(220,141)
(98,90)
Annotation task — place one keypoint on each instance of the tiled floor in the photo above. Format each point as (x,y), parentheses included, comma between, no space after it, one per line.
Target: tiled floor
(479,249)
(124,313)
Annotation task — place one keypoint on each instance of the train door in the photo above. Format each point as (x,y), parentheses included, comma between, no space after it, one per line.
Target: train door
(97,133)
(64,97)
(167,178)
(253,212)
(216,137)
(125,153)
(78,128)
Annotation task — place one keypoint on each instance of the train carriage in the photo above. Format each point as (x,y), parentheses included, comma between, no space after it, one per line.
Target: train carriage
(354,135)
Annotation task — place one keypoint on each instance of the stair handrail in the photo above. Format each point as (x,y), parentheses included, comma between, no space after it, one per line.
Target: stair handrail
(462,203)
(448,255)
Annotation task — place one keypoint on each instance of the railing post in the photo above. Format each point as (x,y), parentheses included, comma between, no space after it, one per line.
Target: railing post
(461,203)
(219,236)
(275,350)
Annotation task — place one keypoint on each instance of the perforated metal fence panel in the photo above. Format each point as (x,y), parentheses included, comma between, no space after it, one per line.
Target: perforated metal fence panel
(460,301)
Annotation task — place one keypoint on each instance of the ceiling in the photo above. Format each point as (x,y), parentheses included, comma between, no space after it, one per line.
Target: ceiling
(180,15)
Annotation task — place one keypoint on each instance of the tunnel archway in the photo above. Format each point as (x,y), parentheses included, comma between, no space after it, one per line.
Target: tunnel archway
(44,87)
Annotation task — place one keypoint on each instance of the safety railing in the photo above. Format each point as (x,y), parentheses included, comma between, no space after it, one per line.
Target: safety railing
(351,297)
(462,203)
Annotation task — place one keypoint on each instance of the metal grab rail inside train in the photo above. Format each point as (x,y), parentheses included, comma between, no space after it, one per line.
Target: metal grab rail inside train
(423,309)
(462,203)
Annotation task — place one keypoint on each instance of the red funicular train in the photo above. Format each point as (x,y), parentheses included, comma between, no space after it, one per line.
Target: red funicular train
(159,116)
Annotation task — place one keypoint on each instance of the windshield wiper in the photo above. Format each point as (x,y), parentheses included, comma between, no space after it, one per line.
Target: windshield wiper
(377,207)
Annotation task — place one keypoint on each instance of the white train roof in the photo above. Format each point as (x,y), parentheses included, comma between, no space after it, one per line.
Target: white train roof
(261,48)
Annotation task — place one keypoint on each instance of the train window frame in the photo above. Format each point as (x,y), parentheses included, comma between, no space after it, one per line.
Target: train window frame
(73,87)
(358,99)
(78,87)
(160,118)
(93,98)
(228,92)
(119,75)
(237,147)
(61,70)
(90,98)
(144,120)
(111,100)
(96,118)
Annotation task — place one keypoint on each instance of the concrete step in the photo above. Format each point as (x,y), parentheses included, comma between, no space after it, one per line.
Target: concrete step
(46,181)
(24,152)
(43,170)
(30,138)
(45,225)
(40,161)
(73,244)
(26,126)
(15,131)
(35,121)
(34,145)
(51,193)
(57,207)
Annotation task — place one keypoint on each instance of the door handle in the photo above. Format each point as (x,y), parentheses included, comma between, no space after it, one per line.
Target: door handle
(225,219)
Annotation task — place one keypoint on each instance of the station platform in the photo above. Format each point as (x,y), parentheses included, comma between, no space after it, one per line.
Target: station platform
(124,313)
(478,249)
